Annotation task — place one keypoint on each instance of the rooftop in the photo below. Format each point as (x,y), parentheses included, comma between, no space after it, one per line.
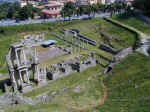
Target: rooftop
(51,12)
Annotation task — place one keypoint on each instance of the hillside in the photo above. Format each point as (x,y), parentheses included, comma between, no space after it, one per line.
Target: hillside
(124,89)
(128,86)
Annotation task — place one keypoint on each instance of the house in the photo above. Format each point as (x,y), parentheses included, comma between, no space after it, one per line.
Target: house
(51,10)
(101,1)
(125,1)
(86,2)
(25,2)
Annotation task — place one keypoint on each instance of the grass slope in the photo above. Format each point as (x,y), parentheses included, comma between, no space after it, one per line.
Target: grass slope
(89,28)
(65,82)
(91,91)
(128,86)
(134,22)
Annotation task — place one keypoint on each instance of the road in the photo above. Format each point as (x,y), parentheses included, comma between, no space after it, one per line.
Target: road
(142,17)
(13,22)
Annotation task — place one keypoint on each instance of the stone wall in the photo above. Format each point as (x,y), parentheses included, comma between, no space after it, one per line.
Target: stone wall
(33,39)
(70,66)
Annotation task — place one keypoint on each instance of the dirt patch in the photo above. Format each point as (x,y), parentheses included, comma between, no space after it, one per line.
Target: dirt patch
(50,53)
(100,102)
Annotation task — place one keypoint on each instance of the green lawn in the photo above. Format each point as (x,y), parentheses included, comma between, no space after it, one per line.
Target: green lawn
(90,90)
(66,82)
(128,86)
(134,22)
(89,28)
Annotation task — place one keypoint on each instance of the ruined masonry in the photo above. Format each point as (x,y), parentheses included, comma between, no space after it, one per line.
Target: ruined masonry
(19,67)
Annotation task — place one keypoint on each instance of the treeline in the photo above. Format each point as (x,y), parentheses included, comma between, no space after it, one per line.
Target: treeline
(14,11)
(143,5)
(71,9)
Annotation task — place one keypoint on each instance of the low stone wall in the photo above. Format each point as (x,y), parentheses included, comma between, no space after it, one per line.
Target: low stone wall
(10,99)
(129,28)
(71,66)
(33,40)
(81,37)
(70,42)
(117,58)
(107,49)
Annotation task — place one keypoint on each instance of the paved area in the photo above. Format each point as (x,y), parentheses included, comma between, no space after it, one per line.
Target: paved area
(13,22)
(144,18)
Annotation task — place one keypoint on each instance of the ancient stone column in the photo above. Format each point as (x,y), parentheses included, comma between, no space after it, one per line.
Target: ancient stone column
(83,43)
(27,76)
(17,58)
(14,84)
(25,60)
(87,44)
(21,80)
(36,67)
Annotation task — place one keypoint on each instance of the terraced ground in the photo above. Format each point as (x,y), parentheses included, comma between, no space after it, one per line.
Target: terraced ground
(128,86)
(91,92)
(134,22)
(89,28)
(127,90)
(124,89)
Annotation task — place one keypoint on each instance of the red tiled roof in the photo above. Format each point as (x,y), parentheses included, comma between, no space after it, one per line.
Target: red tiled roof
(51,12)
(52,5)
(63,1)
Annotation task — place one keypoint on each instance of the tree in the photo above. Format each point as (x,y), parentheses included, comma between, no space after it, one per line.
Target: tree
(13,8)
(3,15)
(112,8)
(94,9)
(62,12)
(101,7)
(79,10)
(28,11)
(16,15)
(143,5)
(68,9)
(88,10)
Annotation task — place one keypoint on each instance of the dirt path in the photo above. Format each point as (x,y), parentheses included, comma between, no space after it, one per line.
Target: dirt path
(100,102)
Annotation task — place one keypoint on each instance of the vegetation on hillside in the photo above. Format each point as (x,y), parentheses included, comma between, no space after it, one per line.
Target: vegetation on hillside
(71,9)
(89,28)
(128,86)
(83,80)
(15,11)
(134,22)
(142,5)
(127,89)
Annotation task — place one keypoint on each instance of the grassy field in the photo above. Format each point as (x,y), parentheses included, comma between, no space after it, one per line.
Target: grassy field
(134,22)
(65,82)
(128,86)
(127,90)
(91,92)
(89,28)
